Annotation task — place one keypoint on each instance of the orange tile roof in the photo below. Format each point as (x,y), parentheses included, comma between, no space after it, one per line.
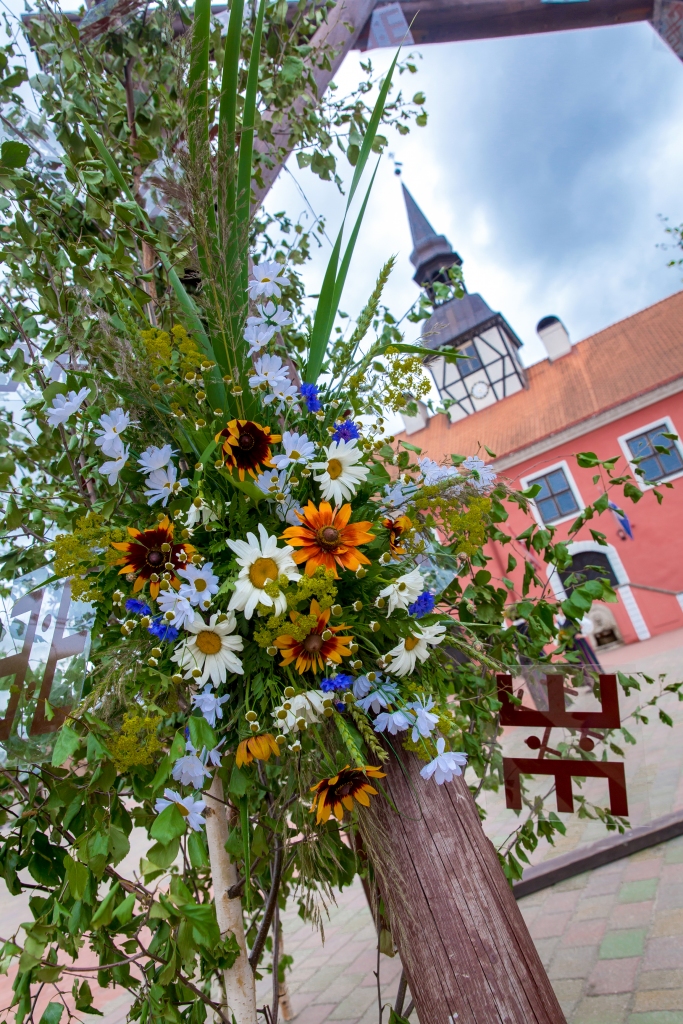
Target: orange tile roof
(628,359)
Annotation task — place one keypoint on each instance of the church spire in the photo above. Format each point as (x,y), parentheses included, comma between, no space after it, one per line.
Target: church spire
(432,253)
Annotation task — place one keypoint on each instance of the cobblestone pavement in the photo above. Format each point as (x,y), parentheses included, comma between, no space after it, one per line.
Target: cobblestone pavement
(611,940)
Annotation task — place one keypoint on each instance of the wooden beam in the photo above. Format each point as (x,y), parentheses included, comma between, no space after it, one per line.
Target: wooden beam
(445,21)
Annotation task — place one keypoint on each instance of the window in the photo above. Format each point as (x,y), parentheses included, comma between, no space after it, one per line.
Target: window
(660,454)
(472,363)
(556,499)
(588,565)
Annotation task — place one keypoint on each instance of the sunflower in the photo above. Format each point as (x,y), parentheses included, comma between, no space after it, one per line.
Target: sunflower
(327,538)
(313,651)
(396,527)
(246,446)
(259,747)
(151,552)
(339,792)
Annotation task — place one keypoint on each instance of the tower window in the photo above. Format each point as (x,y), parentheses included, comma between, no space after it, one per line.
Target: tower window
(660,455)
(472,363)
(556,499)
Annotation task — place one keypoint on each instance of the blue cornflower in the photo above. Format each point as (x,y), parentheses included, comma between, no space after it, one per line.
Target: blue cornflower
(162,631)
(423,606)
(137,607)
(339,706)
(310,393)
(346,431)
(338,682)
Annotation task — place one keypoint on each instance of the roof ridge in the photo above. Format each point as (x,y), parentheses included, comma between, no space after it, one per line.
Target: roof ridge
(632,316)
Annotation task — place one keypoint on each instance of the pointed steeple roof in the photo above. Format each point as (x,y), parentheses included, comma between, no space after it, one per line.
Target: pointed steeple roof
(431,253)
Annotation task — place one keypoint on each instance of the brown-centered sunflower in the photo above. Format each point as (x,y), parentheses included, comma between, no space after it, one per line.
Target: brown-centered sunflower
(151,553)
(259,747)
(334,794)
(246,447)
(319,645)
(326,537)
(396,527)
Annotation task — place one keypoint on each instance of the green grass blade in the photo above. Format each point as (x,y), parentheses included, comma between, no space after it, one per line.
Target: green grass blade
(350,246)
(227,115)
(371,133)
(243,204)
(198,126)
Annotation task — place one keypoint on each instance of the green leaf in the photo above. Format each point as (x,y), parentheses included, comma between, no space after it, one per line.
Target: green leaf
(395,1018)
(204,924)
(104,913)
(76,876)
(52,1013)
(14,154)
(196,849)
(164,855)
(168,825)
(66,746)
(239,783)
(201,733)
(291,70)
(124,911)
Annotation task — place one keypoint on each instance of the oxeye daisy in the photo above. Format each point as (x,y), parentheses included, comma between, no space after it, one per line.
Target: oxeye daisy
(262,563)
(414,648)
(201,584)
(341,473)
(268,279)
(298,450)
(211,650)
(246,446)
(110,428)
(403,591)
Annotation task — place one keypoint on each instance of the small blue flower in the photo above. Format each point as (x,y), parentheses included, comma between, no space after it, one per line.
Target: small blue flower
(346,431)
(339,706)
(339,682)
(162,631)
(137,607)
(423,606)
(310,393)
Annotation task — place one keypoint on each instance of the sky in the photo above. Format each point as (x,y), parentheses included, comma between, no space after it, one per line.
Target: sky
(547,162)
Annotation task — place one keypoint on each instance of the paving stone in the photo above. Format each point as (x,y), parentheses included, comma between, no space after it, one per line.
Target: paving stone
(550,925)
(674,851)
(576,962)
(637,892)
(663,954)
(568,993)
(660,979)
(583,933)
(624,943)
(659,999)
(315,1014)
(613,976)
(354,1004)
(639,867)
(671,896)
(601,1010)
(631,915)
(668,923)
(658,1017)
(546,949)
(596,906)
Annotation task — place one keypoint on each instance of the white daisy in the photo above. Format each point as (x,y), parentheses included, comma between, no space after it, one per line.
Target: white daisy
(341,475)
(272,482)
(404,590)
(257,336)
(64,406)
(425,722)
(163,484)
(433,473)
(269,370)
(414,648)
(199,513)
(268,280)
(284,394)
(109,433)
(112,468)
(211,649)
(481,475)
(189,808)
(307,706)
(209,704)
(382,696)
(298,450)
(261,563)
(172,602)
(202,584)
(392,722)
(189,770)
(270,314)
(445,766)
(155,458)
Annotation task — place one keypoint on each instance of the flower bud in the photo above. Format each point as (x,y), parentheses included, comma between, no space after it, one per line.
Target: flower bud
(281,714)
(348,697)
(196,559)
(152,662)
(196,673)
(164,585)
(357,665)
(380,602)
(200,396)
(254,727)
(251,716)
(371,676)
(280,740)
(361,572)
(154,577)
(357,606)
(272,651)
(295,747)
(154,388)
(301,724)
(327,634)
(218,464)
(197,502)
(289,691)
(328,711)
(156,652)
(236,391)
(375,626)
(169,566)
(385,558)
(353,648)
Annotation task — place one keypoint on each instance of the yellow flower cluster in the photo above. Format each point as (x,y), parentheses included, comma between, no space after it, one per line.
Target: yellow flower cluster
(405,376)
(465,526)
(137,744)
(77,553)
(160,347)
(320,586)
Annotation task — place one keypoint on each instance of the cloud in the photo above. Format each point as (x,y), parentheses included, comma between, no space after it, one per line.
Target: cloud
(546,162)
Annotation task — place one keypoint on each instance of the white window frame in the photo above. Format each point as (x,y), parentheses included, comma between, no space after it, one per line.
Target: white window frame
(527,481)
(670,429)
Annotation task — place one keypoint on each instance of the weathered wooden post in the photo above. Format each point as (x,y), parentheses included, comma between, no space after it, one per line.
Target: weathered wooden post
(465,948)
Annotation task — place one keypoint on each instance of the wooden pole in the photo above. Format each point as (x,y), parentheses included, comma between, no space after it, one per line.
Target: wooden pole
(465,949)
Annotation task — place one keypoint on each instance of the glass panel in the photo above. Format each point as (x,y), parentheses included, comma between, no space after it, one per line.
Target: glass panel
(469,365)
(557,481)
(566,503)
(639,446)
(651,469)
(544,491)
(548,510)
(671,462)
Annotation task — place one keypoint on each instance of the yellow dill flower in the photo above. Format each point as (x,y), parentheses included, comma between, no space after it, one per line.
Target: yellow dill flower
(137,744)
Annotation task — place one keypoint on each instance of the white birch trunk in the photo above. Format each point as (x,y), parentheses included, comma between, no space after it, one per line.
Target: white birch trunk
(240,990)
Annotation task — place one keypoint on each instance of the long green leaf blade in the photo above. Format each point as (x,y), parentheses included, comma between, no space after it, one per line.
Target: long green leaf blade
(243,205)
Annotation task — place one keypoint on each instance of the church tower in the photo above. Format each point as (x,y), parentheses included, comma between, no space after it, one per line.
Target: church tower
(491,370)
